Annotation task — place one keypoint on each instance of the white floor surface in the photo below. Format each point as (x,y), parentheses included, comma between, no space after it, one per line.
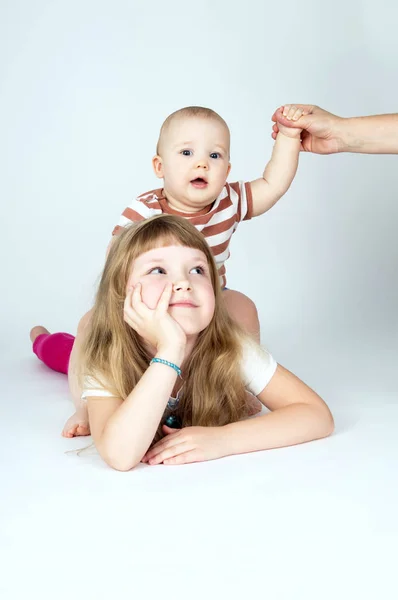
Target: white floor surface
(317,521)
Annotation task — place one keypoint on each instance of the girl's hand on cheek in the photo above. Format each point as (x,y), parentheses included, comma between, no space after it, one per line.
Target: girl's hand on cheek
(155,326)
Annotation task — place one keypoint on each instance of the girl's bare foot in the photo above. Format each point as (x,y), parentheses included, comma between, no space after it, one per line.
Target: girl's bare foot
(38,330)
(77,424)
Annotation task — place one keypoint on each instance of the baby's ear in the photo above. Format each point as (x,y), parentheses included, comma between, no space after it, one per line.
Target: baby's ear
(157,165)
(229,170)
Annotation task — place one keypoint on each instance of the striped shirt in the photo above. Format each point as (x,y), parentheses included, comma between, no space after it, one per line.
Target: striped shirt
(216,222)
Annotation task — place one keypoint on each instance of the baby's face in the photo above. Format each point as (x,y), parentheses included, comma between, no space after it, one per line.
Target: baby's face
(194,162)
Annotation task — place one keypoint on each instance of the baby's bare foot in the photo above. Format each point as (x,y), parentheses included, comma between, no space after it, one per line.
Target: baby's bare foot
(38,330)
(77,424)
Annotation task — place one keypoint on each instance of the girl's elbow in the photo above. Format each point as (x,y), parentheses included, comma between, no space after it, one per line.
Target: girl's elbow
(121,467)
(121,464)
(327,422)
(118,460)
(331,425)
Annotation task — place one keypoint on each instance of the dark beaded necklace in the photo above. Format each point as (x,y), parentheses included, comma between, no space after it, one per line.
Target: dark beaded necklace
(171,420)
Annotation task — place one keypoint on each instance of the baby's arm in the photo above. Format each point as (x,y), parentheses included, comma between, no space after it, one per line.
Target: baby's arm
(279,172)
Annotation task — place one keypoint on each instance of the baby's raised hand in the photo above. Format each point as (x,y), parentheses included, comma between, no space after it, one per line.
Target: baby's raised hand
(293,114)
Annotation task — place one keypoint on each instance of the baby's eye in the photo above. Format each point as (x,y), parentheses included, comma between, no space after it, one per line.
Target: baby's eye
(157,271)
(199,270)
(215,155)
(186,152)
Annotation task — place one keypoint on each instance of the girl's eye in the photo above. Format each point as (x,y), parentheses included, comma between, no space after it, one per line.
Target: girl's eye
(186,152)
(199,270)
(215,155)
(157,271)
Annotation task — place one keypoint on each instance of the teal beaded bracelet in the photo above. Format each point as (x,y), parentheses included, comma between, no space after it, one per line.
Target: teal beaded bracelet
(166,362)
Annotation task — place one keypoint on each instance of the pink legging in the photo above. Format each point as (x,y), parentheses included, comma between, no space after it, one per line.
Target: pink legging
(54,350)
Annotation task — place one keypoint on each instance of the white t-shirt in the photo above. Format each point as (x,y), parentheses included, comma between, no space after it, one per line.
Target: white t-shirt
(258,368)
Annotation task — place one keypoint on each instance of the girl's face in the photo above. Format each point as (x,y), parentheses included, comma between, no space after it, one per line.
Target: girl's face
(192,301)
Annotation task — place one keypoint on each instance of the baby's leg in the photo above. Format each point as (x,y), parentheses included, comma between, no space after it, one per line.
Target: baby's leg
(244,311)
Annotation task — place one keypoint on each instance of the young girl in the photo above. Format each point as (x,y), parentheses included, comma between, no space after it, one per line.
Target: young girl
(164,368)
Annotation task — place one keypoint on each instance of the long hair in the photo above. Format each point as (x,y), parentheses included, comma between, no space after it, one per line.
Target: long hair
(112,352)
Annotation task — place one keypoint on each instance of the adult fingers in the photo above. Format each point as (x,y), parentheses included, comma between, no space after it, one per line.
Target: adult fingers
(273,118)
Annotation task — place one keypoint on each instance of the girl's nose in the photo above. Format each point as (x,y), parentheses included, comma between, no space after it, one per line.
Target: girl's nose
(181,286)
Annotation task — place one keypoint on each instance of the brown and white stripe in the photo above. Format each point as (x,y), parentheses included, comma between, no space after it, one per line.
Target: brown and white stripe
(217,223)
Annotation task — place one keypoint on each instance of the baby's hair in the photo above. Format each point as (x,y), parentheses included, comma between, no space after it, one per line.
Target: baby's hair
(188,112)
(116,356)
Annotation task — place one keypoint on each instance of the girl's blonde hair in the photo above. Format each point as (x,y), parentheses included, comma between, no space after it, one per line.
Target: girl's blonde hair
(114,354)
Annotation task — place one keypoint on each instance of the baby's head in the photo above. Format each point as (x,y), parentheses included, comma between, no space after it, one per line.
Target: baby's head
(192,157)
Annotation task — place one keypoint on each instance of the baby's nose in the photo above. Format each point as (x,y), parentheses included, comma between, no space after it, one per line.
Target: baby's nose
(202,163)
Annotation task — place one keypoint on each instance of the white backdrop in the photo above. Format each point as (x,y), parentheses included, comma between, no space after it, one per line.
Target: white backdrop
(85,86)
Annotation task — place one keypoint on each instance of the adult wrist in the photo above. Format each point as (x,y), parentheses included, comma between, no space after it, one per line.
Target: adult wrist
(345,134)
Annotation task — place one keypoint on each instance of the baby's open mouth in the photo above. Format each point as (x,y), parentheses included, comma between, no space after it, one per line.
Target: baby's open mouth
(199,182)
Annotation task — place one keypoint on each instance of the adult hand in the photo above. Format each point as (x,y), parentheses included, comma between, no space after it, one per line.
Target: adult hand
(155,326)
(321,129)
(187,445)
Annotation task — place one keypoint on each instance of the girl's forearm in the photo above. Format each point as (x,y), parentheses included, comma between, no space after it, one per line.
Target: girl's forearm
(132,427)
(376,134)
(293,424)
